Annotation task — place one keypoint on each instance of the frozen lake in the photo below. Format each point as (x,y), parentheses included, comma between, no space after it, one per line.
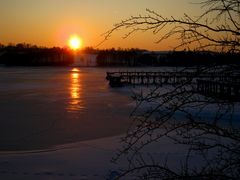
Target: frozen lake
(43,107)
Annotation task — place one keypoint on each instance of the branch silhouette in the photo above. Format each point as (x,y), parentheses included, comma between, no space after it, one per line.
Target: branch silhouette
(216,29)
(206,125)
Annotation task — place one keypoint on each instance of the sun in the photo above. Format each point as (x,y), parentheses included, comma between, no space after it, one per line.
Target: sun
(75,42)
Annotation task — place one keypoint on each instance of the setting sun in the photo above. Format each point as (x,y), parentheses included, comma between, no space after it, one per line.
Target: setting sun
(75,42)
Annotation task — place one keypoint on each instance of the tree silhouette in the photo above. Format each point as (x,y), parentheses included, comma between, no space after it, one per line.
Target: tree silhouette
(217,28)
(207,126)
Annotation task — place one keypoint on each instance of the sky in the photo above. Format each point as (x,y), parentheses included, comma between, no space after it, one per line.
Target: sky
(51,22)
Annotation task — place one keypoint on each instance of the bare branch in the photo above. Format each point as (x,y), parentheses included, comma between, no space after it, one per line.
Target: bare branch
(218,27)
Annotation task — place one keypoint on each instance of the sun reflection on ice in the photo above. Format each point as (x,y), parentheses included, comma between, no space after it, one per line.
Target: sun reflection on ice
(75,101)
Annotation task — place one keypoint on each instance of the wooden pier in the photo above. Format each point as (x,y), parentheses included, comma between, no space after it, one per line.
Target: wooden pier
(219,85)
(219,89)
(119,79)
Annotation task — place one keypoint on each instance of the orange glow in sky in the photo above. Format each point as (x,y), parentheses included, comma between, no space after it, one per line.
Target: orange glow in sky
(43,22)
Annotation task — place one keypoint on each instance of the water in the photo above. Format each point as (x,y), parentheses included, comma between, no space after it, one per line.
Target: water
(44,107)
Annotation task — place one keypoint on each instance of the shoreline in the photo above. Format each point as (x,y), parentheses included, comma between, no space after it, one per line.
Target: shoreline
(57,147)
(66,146)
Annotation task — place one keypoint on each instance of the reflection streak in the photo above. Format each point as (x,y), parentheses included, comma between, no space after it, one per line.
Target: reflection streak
(75,100)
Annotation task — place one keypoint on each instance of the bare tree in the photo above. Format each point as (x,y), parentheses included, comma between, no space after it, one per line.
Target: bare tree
(178,113)
(206,125)
(218,28)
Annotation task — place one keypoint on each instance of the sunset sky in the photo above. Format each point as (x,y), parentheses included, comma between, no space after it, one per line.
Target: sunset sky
(52,22)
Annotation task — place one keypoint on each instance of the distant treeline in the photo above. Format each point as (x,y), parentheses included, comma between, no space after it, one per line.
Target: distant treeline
(123,57)
(193,58)
(136,57)
(30,55)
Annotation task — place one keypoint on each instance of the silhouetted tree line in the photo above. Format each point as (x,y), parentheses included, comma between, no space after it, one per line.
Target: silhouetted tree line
(194,58)
(31,55)
(136,57)
(90,50)
(120,57)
